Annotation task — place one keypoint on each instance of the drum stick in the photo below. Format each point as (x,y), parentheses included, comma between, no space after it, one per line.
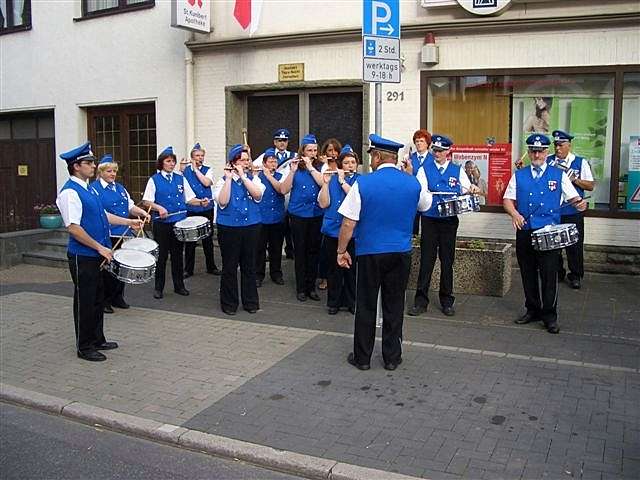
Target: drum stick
(172,214)
(575,202)
(116,245)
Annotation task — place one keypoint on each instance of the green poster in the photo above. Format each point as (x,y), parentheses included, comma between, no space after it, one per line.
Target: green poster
(589,127)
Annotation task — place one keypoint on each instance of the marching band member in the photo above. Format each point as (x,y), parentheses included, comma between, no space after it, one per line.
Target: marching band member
(533,198)
(116,200)
(237,195)
(421,140)
(271,235)
(341,291)
(304,181)
(88,226)
(382,205)
(200,179)
(579,172)
(438,238)
(168,194)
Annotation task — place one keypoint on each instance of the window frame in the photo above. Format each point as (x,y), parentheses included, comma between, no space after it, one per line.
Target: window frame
(122,7)
(9,17)
(617,71)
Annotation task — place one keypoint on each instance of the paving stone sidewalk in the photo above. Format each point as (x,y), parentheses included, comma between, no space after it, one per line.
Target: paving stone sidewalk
(448,412)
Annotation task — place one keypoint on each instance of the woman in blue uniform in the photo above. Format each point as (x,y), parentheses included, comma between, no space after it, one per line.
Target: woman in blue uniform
(237,195)
(116,200)
(341,282)
(271,235)
(168,194)
(304,181)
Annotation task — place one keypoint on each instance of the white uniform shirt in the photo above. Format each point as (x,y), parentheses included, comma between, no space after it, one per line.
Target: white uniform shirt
(465,183)
(150,190)
(105,184)
(568,190)
(352,203)
(69,203)
(235,178)
(585,169)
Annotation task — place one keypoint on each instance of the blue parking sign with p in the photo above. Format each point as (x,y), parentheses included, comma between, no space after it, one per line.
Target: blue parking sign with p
(381,18)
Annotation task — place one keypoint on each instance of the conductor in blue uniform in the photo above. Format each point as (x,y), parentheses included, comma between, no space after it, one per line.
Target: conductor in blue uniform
(380,207)
(533,199)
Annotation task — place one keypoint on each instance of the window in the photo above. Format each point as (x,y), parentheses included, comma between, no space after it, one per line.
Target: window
(490,114)
(105,7)
(15,15)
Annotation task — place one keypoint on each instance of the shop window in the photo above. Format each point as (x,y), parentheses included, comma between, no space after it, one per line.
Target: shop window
(103,7)
(490,116)
(15,15)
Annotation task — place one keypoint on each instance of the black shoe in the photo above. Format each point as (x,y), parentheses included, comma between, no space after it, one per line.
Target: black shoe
(392,365)
(333,310)
(188,274)
(553,327)
(351,358)
(251,310)
(527,318)
(352,310)
(107,346)
(107,309)
(258,283)
(215,271)
(228,311)
(92,356)
(120,303)
(449,311)
(278,280)
(313,296)
(417,310)
(182,291)
(575,283)
(157,294)
(301,297)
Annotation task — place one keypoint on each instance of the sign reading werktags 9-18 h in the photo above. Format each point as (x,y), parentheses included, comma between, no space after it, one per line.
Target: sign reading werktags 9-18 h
(381,41)
(194,15)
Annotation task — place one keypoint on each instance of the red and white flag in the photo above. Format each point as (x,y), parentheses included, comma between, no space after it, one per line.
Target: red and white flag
(247,13)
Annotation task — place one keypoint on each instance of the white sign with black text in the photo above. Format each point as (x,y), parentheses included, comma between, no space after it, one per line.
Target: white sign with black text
(193,15)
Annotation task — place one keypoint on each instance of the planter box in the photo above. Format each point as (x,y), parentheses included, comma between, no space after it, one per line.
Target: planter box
(485,271)
(51,221)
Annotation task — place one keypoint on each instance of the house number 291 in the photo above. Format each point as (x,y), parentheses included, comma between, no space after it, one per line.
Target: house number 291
(395,96)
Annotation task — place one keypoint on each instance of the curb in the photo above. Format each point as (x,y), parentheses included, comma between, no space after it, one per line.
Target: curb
(259,455)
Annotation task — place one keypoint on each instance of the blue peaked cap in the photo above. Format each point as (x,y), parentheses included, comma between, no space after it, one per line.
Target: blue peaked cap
(234,151)
(560,137)
(379,143)
(168,151)
(197,146)
(83,152)
(269,152)
(346,150)
(308,139)
(537,142)
(106,158)
(281,133)
(440,142)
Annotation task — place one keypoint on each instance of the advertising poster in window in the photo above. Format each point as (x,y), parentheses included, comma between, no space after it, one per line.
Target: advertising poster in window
(584,118)
(488,167)
(633,185)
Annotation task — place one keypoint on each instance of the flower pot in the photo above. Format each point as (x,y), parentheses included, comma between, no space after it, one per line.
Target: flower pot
(51,221)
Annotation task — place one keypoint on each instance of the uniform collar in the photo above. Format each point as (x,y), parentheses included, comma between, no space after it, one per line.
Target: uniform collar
(567,161)
(445,165)
(105,184)
(386,165)
(82,183)
(543,167)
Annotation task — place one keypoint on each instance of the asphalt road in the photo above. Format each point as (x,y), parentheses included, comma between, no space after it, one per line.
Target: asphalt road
(35,445)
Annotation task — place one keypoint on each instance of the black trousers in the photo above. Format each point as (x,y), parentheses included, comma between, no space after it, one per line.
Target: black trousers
(438,239)
(323,260)
(207,247)
(575,252)
(306,244)
(539,270)
(389,271)
(341,282)
(288,241)
(270,239)
(168,244)
(238,248)
(113,288)
(88,297)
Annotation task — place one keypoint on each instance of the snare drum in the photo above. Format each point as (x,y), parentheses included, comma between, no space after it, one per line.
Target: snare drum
(132,266)
(457,205)
(142,245)
(553,237)
(192,229)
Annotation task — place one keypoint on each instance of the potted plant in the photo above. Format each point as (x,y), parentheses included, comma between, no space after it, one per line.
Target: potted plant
(49,215)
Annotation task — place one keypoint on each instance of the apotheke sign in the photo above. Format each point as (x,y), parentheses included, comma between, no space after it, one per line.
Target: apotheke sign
(194,15)
(477,7)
